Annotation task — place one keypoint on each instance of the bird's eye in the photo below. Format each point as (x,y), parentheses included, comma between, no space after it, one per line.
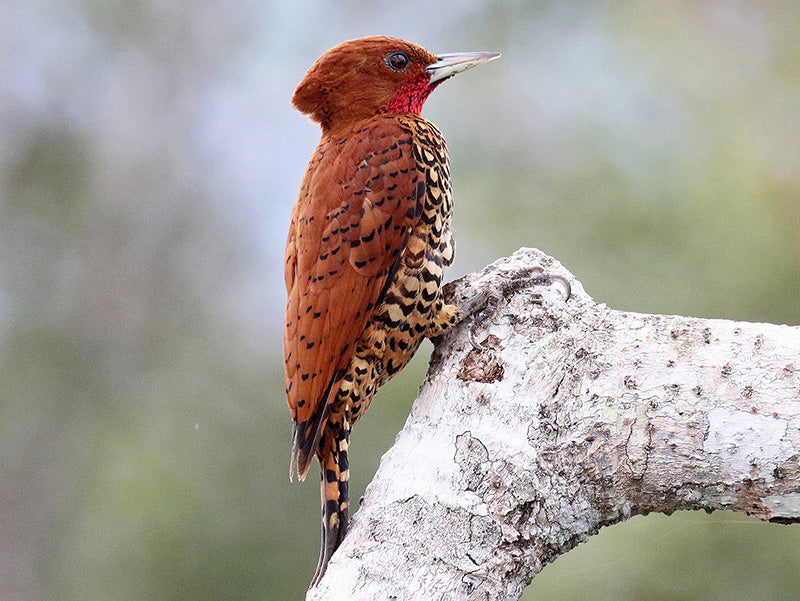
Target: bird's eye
(398,61)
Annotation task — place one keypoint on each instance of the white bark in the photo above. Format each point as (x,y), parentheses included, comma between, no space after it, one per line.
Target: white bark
(577,417)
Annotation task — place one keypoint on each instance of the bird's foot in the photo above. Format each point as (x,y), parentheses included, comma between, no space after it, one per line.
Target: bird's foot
(481,308)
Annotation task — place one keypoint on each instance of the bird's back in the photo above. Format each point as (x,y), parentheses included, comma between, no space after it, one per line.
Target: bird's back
(367,244)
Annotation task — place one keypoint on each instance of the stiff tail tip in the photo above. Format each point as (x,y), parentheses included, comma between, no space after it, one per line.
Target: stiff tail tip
(334,491)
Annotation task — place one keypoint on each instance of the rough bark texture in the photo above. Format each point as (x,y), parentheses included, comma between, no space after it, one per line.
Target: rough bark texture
(574,417)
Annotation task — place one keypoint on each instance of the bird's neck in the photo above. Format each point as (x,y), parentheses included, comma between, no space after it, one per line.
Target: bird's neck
(411,96)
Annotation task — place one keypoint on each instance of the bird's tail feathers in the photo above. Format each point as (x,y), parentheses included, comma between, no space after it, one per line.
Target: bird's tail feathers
(335,484)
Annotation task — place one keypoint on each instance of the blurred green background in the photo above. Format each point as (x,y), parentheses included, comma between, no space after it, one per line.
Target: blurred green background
(149,159)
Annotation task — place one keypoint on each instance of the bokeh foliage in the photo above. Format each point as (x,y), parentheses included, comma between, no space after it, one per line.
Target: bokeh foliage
(148,162)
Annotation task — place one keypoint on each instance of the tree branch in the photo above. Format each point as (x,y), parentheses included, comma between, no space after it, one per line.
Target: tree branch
(575,416)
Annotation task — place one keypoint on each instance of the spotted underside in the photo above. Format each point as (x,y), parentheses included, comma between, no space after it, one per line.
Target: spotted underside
(368,242)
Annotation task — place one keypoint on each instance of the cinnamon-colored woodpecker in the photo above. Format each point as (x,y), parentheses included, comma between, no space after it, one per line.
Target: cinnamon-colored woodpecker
(368,241)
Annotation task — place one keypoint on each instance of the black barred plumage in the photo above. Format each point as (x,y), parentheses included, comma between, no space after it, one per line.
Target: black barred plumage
(367,247)
(409,310)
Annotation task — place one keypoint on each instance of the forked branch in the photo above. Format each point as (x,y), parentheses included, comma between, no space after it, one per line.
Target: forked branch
(574,416)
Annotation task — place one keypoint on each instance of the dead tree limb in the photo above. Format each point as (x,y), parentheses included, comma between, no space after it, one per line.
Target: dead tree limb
(573,417)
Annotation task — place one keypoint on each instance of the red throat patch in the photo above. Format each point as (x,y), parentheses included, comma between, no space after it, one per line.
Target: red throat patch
(411,95)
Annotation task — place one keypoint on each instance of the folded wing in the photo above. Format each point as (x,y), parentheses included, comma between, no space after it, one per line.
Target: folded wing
(349,226)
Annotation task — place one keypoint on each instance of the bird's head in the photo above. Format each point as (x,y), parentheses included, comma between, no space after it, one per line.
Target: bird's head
(360,78)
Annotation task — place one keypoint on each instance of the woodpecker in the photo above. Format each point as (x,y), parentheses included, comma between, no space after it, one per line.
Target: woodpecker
(368,241)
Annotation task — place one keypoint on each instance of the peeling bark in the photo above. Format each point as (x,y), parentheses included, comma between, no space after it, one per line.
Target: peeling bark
(574,416)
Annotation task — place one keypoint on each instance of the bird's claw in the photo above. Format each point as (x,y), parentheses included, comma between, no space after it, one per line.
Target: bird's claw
(481,308)
(564,282)
(474,341)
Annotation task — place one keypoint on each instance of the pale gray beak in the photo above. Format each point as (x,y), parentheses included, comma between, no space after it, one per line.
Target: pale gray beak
(447,65)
